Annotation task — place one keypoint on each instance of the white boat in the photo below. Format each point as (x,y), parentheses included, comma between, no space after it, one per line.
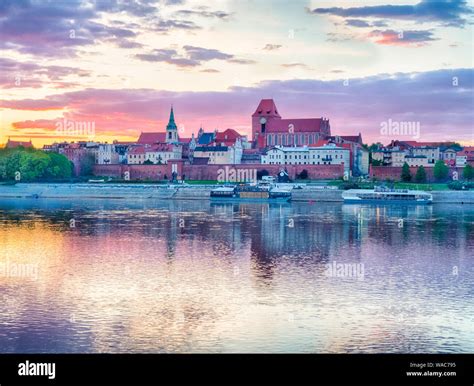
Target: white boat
(387,196)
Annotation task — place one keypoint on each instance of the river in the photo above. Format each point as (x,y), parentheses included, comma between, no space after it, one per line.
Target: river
(89,276)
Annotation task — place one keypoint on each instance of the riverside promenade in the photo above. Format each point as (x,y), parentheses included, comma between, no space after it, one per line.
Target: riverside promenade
(182,192)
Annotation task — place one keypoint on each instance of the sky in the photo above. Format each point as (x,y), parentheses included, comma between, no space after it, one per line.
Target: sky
(117,66)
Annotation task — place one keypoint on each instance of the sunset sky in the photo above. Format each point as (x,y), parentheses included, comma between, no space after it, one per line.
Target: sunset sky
(121,64)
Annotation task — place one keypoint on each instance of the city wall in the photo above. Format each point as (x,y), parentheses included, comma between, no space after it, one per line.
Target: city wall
(212,172)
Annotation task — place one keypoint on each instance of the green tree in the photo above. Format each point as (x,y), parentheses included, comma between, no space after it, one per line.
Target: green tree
(59,167)
(420,174)
(303,175)
(33,165)
(87,165)
(468,172)
(406,175)
(440,170)
(376,162)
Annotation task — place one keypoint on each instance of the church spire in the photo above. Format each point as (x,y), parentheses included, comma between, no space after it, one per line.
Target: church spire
(171,123)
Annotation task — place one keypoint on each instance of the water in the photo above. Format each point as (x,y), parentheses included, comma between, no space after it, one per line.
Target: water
(200,277)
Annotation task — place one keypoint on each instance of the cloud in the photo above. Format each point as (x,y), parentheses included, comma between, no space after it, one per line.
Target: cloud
(357,23)
(168,56)
(167,25)
(431,98)
(294,65)
(402,38)
(192,57)
(204,13)
(204,54)
(15,74)
(272,47)
(67,28)
(446,12)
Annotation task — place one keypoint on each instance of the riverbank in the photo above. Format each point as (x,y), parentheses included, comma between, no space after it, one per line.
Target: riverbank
(182,192)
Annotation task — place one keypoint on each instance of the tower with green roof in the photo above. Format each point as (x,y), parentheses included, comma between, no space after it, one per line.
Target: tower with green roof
(171,129)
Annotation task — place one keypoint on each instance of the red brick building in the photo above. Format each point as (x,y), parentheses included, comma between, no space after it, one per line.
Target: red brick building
(270,129)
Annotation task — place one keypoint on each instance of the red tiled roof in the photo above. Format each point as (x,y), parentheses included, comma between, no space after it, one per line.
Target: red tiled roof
(12,144)
(321,142)
(266,107)
(313,125)
(160,147)
(227,137)
(351,138)
(150,138)
(432,144)
(137,150)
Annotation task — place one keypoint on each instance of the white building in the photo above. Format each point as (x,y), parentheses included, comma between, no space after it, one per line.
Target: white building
(158,154)
(329,154)
(430,152)
(417,160)
(220,154)
(106,154)
(162,153)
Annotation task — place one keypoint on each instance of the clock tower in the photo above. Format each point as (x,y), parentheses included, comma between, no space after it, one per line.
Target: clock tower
(262,118)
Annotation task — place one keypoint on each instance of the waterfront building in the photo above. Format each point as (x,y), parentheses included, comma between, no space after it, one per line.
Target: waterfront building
(448,155)
(158,154)
(389,157)
(269,129)
(417,161)
(359,155)
(328,154)
(106,154)
(220,154)
(136,155)
(465,156)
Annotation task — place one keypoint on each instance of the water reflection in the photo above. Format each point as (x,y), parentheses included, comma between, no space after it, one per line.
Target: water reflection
(177,276)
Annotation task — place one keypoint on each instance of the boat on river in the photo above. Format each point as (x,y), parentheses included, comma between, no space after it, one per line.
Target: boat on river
(259,192)
(387,196)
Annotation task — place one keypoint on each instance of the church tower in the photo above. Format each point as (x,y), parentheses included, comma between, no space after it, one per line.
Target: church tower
(171,129)
(262,117)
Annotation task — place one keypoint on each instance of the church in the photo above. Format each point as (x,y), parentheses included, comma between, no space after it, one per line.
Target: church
(269,129)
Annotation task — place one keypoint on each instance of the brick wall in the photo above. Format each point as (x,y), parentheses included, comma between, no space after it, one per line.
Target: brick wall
(210,172)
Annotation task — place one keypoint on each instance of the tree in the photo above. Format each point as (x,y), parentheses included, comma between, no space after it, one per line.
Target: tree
(59,167)
(376,162)
(303,175)
(420,174)
(440,170)
(32,164)
(148,162)
(406,175)
(468,172)
(87,164)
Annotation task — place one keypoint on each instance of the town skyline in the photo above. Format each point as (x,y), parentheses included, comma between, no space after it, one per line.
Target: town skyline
(120,66)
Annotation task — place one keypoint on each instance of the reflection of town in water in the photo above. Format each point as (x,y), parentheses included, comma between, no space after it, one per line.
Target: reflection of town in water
(194,276)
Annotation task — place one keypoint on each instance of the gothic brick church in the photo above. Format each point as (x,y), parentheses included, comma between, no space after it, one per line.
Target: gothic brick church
(269,129)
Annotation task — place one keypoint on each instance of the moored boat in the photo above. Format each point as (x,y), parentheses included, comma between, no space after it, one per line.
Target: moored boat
(387,196)
(259,192)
